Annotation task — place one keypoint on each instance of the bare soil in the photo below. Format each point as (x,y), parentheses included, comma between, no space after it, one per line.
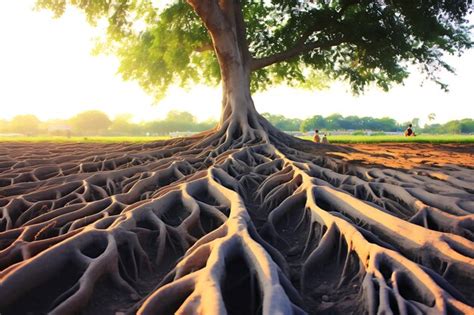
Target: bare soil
(410,155)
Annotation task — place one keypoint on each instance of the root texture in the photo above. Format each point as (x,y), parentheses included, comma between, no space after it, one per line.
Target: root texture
(241,221)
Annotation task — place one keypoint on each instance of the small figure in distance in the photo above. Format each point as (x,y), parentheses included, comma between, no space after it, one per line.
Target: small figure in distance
(316,137)
(325,139)
(409,132)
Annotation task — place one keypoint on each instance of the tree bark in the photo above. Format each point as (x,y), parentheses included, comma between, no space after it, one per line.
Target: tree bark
(224,22)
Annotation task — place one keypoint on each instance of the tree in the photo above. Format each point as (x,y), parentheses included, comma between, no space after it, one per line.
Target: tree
(315,122)
(467,125)
(92,122)
(207,124)
(452,126)
(387,124)
(26,124)
(352,123)
(283,123)
(245,219)
(416,123)
(175,121)
(4,126)
(179,121)
(260,43)
(434,129)
(180,116)
(122,125)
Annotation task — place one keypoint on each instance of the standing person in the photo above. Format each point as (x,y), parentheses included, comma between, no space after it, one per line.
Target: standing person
(316,137)
(409,132)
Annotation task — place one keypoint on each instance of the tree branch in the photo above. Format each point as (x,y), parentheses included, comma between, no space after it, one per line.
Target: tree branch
(298,49)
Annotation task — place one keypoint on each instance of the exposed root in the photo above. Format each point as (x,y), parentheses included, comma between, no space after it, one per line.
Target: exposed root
(241,220)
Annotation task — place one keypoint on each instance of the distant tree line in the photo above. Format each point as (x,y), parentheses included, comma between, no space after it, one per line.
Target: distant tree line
(453,127)
(97,123)
(334,122)
(385,124)
(338,122)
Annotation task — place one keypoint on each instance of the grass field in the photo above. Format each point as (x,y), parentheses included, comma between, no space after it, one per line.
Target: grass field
(398,139)
(83,139)
(332,139)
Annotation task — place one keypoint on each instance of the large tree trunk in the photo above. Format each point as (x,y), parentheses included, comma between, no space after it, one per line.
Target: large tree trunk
(226,27)
(237,103)
(240,122)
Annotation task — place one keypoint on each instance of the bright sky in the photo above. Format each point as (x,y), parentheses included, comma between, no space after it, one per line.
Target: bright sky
(46,69)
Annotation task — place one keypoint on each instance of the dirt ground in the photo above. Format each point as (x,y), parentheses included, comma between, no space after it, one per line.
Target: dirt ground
(406,156)
(395,155)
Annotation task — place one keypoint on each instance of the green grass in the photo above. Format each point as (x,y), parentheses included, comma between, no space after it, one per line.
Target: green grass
(332,139)
(398,139)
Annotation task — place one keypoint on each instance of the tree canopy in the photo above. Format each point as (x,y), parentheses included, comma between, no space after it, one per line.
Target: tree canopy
(92,122)
(295,42)
(283,123)
(338,122)
(28,124)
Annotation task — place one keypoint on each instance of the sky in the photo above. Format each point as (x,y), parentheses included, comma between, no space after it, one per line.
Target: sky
(46,69)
